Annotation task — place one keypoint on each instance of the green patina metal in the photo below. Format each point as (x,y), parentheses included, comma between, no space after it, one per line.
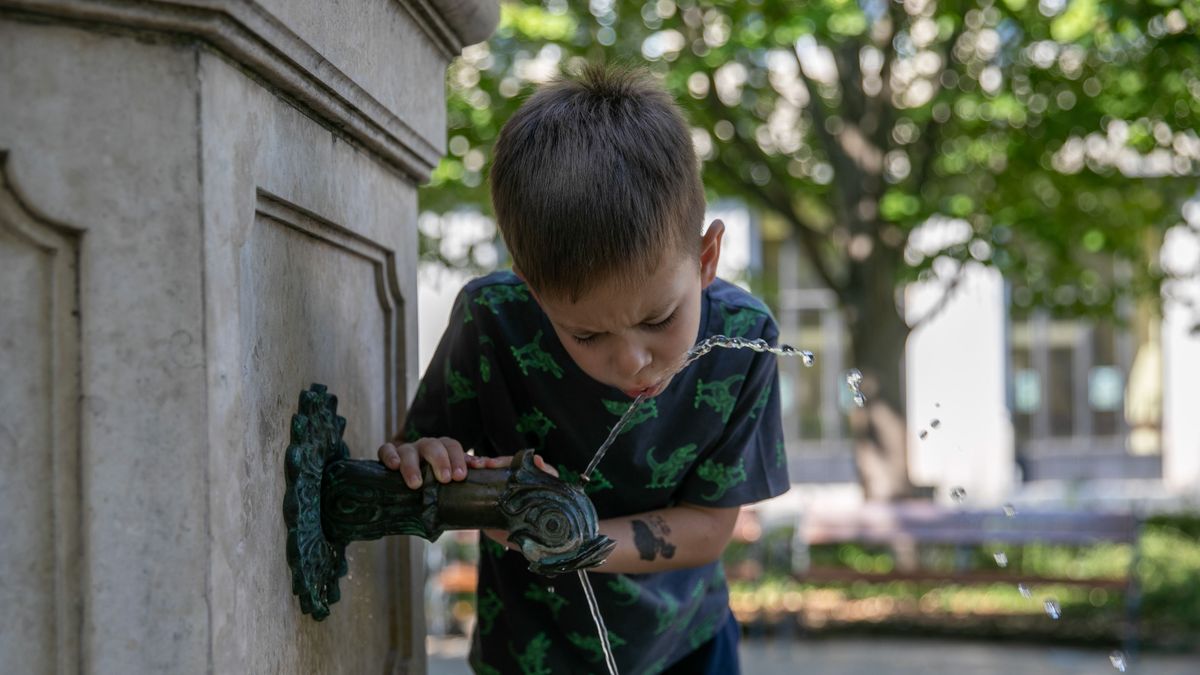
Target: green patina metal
(331,500)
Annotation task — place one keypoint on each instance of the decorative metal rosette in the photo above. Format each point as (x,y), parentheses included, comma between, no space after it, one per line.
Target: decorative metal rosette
(316,562)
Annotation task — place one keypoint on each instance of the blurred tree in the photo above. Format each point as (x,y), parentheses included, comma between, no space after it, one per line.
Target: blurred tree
(1050,139)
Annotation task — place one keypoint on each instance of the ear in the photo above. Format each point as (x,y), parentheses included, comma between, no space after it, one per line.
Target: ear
(710,252)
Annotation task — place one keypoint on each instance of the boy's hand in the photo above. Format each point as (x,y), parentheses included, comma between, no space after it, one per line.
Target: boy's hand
(444,455)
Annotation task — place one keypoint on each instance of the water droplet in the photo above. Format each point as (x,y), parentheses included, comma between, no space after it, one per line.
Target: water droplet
(1117,659)
(924,434)
(550,588)
(935,423)
(1025,592)
(854,377)
(937,405)
(1053,610)
(1001,558)
(1009,510)
(958,494)
(859,399)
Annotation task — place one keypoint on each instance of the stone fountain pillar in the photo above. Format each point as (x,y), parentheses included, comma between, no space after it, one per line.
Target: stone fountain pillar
(205,206)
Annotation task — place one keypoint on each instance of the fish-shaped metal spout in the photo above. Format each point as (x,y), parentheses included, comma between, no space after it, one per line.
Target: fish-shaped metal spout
(331,500)
(552,521)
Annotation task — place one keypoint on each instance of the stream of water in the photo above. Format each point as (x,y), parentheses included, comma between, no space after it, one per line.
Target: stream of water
(700,349)
(853,379)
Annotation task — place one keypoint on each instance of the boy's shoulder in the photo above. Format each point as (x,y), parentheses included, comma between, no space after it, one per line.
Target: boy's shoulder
(733,296)
(497,294)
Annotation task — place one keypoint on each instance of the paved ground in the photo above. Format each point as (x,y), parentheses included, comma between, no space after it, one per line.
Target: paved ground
(870,656)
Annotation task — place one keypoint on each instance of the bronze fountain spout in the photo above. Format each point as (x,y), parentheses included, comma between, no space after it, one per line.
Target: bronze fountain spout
(331,500)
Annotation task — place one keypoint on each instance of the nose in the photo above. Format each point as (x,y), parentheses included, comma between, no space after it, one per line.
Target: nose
(631,358)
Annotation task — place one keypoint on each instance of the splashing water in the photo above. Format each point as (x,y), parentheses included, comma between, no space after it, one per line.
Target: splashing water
(1001,558)
(854,378)
(700,349)
(1117,659)
(1053,609)
(595,609)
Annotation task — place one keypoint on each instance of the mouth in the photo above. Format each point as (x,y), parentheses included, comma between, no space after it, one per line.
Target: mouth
(648,392)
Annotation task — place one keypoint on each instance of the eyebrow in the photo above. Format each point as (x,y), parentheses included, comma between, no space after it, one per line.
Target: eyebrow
(669,306)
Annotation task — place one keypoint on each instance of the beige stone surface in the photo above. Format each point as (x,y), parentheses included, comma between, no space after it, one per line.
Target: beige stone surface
(205,207)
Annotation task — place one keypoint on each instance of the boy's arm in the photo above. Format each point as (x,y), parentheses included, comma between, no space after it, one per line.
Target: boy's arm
(656,541)
(676,537)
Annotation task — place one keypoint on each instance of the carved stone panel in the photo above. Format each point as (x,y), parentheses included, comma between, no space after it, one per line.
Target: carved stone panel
(316,302)
(39,449)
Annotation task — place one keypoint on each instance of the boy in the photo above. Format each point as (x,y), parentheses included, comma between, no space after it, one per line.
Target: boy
(598,197)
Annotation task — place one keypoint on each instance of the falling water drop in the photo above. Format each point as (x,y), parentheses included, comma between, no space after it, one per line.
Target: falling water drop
(854,377)
(935,423)
(1025,592)
(1053,609)
(1117,659)
(924,434)
(1001,558)
(550,588)
(958,494)
(859,399)
(1009,510)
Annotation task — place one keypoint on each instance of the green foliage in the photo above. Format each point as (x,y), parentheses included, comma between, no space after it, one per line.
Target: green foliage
(1064,143)
(1167,570)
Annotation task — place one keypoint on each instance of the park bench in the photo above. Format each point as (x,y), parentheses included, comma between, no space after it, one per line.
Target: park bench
(905,527)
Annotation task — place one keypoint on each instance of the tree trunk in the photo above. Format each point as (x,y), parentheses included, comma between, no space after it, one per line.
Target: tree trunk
(878,334)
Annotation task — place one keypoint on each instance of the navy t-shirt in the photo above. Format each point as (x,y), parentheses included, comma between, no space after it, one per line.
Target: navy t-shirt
(501,381)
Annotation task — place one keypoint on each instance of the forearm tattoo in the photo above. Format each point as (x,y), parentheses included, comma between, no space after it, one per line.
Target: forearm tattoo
(650,537)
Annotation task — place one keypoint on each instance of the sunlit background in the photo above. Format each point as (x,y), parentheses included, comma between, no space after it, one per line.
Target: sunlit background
(990,209)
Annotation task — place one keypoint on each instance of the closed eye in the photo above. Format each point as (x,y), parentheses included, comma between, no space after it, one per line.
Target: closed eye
(661,325)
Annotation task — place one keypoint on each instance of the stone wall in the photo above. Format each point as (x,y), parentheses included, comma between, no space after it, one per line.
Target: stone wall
(205,207)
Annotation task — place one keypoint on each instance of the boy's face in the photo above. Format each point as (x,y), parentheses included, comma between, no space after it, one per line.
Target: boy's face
(631,334)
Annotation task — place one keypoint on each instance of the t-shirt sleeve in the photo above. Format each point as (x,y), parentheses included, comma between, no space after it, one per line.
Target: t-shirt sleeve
(747,463)
(447,400)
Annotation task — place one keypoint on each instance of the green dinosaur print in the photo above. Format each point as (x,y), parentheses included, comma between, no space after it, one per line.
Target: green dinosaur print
(466,310)
(703,631)
(591,644)
(624,586)
(648,409)
(724,476)
(533,356)
(739,321)
(667,473)
(536,423)
(491,546)
(760,403)
(533,660)
(489,608)
(460,387)
(718,394)
(780,454)
(656,667)
(494,296)
(596,484)
(484,669)
(547,597)
(666,613)
(485,369)
(697,599)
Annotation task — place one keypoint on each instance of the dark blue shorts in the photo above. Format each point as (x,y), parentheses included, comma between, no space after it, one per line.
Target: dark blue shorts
(718,656)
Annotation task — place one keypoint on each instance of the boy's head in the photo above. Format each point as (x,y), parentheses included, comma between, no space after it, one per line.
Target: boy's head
(597,193)
(593,178)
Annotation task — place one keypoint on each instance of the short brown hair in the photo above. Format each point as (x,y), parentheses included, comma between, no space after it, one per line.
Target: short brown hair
(595,176)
